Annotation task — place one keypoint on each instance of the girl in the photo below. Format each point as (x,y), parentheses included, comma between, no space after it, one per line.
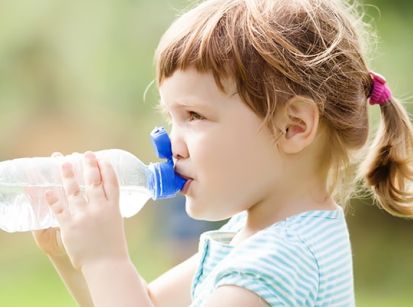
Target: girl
(268,103)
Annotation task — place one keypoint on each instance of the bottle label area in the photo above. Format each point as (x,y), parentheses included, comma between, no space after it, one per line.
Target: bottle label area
(24,208)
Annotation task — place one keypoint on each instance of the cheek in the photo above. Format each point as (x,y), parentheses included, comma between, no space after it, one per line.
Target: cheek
(235,169)
(219,174)
(242,167)
(226,169)
(217,157)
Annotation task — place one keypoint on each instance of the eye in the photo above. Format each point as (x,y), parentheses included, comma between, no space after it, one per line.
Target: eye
(194,116)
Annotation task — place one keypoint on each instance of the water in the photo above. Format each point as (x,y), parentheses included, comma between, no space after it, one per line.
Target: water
(24,207)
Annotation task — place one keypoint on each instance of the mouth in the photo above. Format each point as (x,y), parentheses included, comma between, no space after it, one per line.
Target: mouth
(187,184)
(186,187)
(183,176)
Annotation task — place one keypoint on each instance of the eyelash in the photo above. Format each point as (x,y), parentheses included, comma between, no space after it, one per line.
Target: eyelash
(189,113)
(199,117)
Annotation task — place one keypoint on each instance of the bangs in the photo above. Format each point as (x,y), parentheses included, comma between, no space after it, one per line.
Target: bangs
(225,38)
(206,38)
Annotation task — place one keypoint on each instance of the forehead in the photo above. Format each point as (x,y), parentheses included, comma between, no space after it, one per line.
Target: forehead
(192,87)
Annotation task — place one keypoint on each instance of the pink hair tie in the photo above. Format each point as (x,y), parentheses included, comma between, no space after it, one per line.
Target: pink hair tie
(380,93)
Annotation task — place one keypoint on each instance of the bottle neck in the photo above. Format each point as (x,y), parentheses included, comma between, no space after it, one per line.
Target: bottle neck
(162,181)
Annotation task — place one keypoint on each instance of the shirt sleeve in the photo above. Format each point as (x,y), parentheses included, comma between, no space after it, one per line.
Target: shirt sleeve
(281,271)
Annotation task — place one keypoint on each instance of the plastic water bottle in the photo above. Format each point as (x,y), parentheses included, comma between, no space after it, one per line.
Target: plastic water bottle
(24,181)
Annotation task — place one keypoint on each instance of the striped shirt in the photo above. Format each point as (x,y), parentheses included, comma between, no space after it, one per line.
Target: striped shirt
(303,260)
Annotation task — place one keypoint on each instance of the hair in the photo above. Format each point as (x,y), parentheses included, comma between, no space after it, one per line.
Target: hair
(274,50)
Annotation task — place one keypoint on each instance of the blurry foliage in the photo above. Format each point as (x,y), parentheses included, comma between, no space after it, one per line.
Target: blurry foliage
(72,78)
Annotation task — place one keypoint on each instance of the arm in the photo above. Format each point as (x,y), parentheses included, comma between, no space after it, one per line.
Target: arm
(117,283)
(48,240)
(92,233)
(172,287)
(73,280)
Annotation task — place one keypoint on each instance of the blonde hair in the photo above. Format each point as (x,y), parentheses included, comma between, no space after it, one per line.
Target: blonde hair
(277,49)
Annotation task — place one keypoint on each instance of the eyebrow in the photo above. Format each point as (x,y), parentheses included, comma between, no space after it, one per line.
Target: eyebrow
(160,108)
(180,104)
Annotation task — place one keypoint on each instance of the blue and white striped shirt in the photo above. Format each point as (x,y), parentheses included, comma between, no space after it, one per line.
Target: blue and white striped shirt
(303,260)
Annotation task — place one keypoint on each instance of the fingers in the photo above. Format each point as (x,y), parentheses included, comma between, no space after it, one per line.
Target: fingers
(101,182)
(57,206)
(71,187)
(110,182)
(93,178)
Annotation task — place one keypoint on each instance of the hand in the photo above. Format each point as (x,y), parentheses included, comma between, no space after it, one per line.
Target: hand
(49,240)
(90,223)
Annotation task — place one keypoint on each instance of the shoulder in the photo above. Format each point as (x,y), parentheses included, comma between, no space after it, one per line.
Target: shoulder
(281,263)
(275,264)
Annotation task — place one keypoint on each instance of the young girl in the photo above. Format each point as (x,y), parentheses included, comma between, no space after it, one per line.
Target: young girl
(268,102)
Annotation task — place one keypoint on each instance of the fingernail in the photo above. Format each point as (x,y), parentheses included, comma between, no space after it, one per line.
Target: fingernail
(90,156)
(67,169)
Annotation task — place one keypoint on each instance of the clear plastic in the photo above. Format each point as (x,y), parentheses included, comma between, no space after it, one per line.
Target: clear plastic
(24,181)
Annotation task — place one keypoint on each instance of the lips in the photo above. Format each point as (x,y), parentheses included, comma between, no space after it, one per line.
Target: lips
(188,179)
(183,176)
(186,186)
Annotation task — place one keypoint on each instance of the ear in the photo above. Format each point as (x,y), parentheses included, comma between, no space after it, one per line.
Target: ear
(300,118)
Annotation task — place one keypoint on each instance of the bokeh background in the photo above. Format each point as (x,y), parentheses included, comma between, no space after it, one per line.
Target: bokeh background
(72,78)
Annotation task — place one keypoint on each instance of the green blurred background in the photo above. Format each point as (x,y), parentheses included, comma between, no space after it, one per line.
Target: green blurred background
(72,78)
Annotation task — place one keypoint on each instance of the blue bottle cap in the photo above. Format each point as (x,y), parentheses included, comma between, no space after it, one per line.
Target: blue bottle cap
(164,182)
(162,143)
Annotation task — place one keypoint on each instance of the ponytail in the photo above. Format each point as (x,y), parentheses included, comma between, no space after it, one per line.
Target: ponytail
(388,167)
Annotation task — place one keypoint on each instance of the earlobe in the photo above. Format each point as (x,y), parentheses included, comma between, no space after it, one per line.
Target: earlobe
(301,118)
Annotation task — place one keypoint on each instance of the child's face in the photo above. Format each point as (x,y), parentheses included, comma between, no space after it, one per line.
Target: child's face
(216,141)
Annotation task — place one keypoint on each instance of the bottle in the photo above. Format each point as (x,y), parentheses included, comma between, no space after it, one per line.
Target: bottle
(23,183)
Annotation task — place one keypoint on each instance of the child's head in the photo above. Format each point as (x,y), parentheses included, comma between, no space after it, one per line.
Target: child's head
(298,66)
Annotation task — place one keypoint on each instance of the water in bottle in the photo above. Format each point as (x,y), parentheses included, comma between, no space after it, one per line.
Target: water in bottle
(24,181)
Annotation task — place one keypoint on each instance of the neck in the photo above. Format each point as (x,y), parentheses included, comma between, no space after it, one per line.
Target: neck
(301,187)
(278,206)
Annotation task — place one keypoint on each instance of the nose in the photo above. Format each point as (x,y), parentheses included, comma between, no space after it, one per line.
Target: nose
(179,147)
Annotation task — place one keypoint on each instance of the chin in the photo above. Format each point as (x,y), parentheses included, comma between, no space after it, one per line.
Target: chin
(202,212)
(195,213)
